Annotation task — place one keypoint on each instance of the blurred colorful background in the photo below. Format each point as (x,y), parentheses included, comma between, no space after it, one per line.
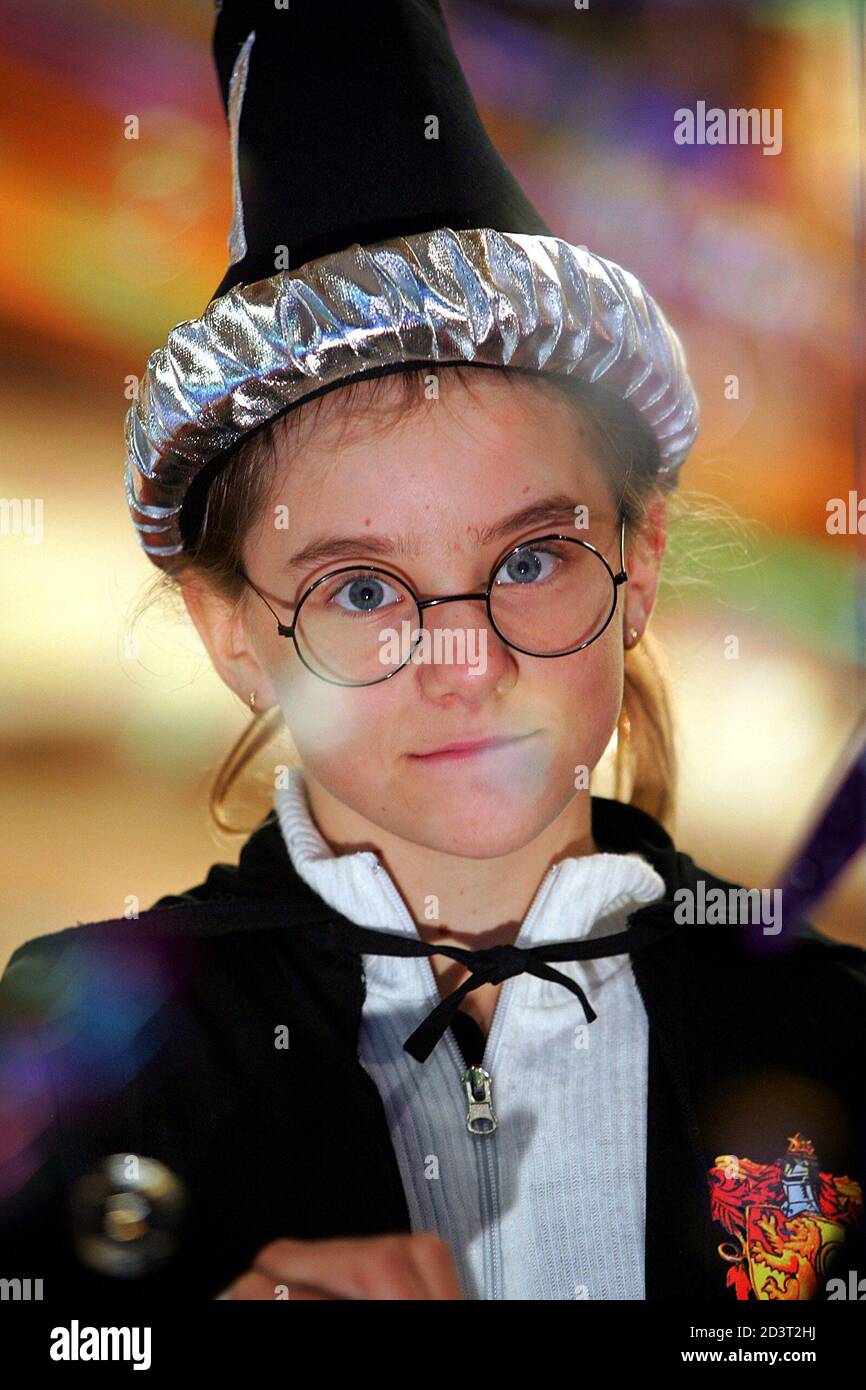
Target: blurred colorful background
(107,242)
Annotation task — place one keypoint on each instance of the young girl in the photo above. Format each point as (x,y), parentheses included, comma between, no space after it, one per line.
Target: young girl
(454,1026)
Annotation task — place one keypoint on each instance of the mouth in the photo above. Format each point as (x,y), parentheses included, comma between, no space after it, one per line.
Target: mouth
(459,752)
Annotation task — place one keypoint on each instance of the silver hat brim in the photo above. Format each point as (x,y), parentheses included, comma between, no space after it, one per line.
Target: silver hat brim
(482,296)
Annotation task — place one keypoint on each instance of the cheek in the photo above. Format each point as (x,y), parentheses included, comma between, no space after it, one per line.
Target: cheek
(582,693)
(336,727)
(578,701)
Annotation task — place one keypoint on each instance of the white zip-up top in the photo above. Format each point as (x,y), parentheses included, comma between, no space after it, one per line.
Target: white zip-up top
(551,1205)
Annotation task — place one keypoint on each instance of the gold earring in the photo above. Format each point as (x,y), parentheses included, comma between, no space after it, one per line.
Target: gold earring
(252,700)
(632,632)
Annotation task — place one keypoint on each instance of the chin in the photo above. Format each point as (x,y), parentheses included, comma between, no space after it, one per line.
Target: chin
(476,831)
(485,846)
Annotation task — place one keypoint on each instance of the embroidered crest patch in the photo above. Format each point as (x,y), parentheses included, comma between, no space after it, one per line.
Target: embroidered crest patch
(787,1221)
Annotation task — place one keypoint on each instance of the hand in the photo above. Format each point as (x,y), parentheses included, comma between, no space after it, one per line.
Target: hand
(366,1267)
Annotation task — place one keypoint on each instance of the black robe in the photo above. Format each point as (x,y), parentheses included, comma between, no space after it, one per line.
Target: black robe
(156,1036)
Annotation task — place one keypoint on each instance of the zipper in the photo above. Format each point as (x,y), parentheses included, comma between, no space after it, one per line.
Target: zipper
(478,1089)
(486,1154)
(486,1157)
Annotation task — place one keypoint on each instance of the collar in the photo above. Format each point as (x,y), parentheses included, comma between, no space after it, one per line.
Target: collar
(590,894)
(265,870)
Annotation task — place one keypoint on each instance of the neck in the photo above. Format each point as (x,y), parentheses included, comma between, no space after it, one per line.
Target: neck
(481,902)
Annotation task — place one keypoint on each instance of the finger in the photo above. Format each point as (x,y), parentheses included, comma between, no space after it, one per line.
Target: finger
(254,1285)
(304,1293)
(373,1267)
(434,1261)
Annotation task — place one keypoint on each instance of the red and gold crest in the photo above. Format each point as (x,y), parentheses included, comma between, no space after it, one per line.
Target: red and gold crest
(787,1221)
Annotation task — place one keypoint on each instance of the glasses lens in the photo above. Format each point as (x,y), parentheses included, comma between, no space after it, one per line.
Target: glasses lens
(357,626)
(550,596)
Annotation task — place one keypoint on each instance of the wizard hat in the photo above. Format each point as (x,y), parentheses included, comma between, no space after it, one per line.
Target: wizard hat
(374,227)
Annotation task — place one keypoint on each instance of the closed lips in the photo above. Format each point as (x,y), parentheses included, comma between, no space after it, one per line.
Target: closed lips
(471,746)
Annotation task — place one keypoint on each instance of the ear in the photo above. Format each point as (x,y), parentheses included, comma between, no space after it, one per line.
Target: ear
(643,562)
(225,629)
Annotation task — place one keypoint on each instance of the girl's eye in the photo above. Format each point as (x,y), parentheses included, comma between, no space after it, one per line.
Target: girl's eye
(364,594)
(525,566)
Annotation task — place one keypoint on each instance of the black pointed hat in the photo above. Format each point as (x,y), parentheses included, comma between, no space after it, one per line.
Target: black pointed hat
(354,124)
(374,225)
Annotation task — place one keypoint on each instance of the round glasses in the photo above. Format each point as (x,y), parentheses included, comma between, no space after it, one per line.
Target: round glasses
(549,596)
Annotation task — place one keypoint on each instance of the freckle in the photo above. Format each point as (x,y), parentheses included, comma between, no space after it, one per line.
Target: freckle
(368,520)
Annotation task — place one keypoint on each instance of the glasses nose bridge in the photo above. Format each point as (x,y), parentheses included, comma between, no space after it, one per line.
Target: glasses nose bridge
(449,598)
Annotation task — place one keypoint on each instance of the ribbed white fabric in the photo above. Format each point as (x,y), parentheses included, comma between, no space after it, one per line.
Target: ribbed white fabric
(552,1205)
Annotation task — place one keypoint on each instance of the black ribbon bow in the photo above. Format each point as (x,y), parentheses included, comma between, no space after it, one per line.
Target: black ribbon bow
(494,964)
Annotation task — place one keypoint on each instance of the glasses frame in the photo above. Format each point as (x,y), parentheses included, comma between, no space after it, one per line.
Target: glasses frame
(290,629)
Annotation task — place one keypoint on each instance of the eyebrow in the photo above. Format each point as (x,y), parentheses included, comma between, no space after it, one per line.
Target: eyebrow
(546,511)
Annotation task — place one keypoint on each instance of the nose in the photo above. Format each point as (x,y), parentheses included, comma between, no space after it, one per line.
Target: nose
(461,654)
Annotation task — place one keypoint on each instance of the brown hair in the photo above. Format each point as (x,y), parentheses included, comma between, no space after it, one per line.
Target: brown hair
(645,761)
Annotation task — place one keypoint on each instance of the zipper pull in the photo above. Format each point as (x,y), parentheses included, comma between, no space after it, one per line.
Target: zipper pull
(477,1085)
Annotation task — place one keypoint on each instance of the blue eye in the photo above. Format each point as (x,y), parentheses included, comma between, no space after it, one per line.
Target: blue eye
(524,566)
(364,594)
